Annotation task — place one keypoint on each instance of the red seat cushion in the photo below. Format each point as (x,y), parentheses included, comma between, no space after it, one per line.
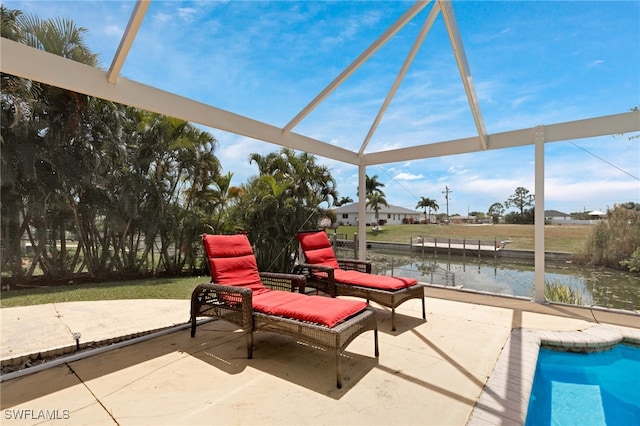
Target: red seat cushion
(317,248)
(381,282)
(315,309)
(232,262)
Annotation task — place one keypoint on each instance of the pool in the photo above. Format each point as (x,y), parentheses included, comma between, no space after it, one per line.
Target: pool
(598,388)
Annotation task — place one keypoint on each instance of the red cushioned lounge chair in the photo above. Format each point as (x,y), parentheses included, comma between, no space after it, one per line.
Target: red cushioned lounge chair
(240,294)
(347,277)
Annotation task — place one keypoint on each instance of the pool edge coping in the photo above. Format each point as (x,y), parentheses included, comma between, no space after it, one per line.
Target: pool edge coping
(504,400)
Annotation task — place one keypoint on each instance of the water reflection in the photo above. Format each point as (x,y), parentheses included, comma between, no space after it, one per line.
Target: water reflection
(598,286)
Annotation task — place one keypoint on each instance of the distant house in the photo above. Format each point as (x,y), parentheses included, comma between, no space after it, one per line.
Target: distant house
(597,214)
(463,219)
(393,215)
(555,216)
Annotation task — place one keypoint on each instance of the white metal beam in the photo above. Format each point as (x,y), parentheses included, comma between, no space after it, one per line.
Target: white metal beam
(127,40)
(587,128)
(538,220)
(362,209)
(390,32)
(463,67)
(24,61)
(433,14)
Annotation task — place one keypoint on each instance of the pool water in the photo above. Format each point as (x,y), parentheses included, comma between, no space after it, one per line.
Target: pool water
(599,388)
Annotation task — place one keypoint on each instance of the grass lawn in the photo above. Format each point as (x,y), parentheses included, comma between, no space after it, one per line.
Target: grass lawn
(569,238)
(152,288)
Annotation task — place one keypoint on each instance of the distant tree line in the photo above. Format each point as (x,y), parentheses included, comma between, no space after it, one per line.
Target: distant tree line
(521,199)
(614,242)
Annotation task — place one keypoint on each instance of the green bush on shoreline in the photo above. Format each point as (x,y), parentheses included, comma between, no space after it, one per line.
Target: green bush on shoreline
(614,242)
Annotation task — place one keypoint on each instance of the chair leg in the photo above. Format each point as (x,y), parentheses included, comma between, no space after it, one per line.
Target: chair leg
(424,312)
(393,319)
(338,370)
(250,345)
(376,351)
(193,325)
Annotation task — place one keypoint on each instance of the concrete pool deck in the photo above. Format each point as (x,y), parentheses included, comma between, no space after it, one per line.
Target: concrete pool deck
(431,372)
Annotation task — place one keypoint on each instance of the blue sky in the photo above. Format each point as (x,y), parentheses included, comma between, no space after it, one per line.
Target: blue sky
(532,63)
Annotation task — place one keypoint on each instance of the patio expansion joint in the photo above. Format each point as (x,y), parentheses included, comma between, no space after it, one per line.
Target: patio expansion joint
(505,397)
(95,397)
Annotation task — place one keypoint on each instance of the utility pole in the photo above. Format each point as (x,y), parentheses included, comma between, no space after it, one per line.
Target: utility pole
(446,197)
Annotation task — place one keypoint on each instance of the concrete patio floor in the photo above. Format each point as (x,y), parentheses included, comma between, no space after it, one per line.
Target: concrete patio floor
(429,372)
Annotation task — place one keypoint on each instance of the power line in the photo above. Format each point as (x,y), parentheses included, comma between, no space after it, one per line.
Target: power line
(605,161)
(393,179)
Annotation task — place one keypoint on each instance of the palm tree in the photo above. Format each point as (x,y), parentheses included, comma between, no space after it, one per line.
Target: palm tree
(343,201)
(223,195)
(16,99)
(372,185)
(427,203)
(310,184)
(116,176)
(44,151)
(284,199)
(375,201)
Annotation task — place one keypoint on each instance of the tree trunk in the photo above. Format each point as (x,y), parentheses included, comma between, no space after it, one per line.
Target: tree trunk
(11,235)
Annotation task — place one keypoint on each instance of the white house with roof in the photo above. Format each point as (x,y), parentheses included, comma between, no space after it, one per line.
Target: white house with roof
(555,216)
(597,215)
(393,215)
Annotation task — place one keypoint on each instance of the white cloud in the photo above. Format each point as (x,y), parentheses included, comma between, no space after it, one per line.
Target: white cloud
(595,63)
(233,152)
(187,13)
(162,18)
(408,176)
(458,169)
(114,30)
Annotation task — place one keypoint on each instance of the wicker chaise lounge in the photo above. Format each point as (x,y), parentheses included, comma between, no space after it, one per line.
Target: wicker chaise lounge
(268,301)
(348,277)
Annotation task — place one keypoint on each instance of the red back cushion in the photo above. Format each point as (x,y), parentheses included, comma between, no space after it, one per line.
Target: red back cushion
(317,248)
(231,261)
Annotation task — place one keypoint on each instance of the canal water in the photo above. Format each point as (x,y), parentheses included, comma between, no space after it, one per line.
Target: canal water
(597,286)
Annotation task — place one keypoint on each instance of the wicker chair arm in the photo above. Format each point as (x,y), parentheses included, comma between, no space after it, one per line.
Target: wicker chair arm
(284,282)
(216,294)
(307,269)
(228,302)
(355,265)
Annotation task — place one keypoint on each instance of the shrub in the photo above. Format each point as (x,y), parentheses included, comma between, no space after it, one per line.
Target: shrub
(633,263)
(614,240)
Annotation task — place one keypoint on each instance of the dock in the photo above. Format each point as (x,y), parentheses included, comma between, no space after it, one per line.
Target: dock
(452,246)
